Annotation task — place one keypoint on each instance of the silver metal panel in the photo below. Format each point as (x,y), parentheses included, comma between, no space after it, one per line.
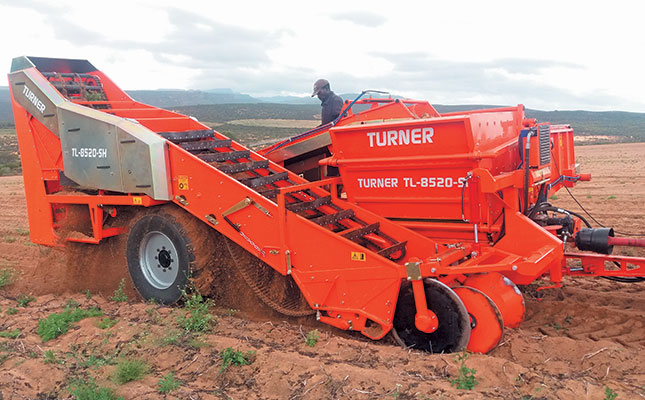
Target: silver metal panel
(102,151)
(33,92)
(90,151)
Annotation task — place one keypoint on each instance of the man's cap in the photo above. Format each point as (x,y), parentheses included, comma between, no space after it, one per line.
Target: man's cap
(320,83)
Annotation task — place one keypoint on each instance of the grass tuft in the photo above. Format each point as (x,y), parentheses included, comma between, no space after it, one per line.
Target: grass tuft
(168,383)
(10,334)
(130,370)
(119,295)
(196,316)
(89,390)
(107,323)
(234,357)
(7,277)
(57,324)
(24,300)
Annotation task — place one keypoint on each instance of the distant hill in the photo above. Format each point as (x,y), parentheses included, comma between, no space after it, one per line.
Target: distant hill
(173,98)
(221,105)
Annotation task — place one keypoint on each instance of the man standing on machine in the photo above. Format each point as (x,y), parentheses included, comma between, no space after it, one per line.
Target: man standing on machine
(331,104)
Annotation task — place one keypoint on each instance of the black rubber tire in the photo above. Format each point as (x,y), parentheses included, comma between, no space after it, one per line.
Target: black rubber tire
(179,227)
(454,323)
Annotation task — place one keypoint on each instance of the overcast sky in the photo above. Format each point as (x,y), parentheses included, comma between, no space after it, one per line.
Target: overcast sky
(544,54)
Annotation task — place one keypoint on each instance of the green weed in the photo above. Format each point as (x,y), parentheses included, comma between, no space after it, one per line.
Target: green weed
(88,294)
(130,370)
(9,239)
(89,390)
(24,300)
(466,378)
(50,358)
(554,197)
(107,323)
(10,334)
(22,232)
(610,394)
(612,197)
(119,295)
(12,311)
(168,383)
(7,276)
(312,338)
(196,316)
(58,323)
(234,357)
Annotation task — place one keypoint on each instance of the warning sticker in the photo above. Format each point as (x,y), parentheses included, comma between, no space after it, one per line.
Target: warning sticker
(137,200)
(183,182)
(357,256)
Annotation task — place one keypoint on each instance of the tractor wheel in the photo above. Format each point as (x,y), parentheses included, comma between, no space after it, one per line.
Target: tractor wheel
(453,332)
(166,247)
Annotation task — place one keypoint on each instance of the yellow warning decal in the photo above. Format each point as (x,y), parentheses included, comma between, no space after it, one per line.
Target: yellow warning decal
(183,182)
(137,200)
(357,256)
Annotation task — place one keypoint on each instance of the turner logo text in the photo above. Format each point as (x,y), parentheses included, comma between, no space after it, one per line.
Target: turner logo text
(400,137)
(32,98)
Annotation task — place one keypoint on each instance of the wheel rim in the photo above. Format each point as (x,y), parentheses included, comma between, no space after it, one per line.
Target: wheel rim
(453,333)
(158,260)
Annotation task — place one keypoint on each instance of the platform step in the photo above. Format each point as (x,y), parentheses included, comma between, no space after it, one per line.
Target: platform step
(187,135)
(243,167)
(265,180)
(309,205)
(206,144)
(358,233)
(332,218)
(225,156)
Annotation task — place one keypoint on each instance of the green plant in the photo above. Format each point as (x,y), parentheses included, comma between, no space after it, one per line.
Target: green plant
(9,239)
(22,232)
(88,294)
(12,311)
(554,197)
(57,324)
(168,383)
(10,334)
(7,276)
(130,370)
(234,357)
(610,394)
(107,322)
(612,197)
(50,357)
(88,390)
(312,338)
(119,295)
(71,303)
(24,300)
(568,319)
(196,317)
(171,338)
(466,376)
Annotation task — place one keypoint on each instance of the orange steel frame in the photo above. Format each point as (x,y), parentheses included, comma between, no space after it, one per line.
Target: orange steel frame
(348,293)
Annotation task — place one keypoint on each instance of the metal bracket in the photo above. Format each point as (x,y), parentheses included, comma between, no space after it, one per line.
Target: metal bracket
(413,270)
(182,200)
(247,201)
(211,219)
(288,254)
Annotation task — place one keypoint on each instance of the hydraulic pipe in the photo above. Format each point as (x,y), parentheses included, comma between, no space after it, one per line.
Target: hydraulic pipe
(619,241)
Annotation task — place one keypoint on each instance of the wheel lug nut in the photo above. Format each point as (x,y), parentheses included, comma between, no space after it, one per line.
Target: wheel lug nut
(158,265)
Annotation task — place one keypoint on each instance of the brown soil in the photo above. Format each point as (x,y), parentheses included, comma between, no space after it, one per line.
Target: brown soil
(575,343)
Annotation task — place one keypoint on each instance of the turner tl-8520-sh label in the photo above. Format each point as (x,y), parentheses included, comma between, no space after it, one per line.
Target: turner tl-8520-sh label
(412,182)
(89,152)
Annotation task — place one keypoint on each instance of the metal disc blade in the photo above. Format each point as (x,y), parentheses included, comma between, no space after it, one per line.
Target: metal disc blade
(453,332)
(506,296)
(487,326)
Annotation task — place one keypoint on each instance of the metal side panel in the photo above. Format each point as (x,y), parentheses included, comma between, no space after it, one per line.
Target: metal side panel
(36,95)
(102,151)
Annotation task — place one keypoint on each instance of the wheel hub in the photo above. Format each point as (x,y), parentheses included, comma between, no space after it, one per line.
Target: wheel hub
(158,260)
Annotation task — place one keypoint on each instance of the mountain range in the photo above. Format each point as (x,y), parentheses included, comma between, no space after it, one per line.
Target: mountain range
(225,105)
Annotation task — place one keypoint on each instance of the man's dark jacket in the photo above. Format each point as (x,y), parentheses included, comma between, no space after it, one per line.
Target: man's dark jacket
(331,107)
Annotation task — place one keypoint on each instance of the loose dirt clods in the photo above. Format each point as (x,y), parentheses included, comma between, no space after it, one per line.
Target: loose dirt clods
(582,341)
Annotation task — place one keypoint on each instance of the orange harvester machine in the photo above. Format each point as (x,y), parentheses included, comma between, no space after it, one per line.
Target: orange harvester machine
(409,221)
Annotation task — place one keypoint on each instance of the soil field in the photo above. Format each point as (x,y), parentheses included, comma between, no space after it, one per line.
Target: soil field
(583,341)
